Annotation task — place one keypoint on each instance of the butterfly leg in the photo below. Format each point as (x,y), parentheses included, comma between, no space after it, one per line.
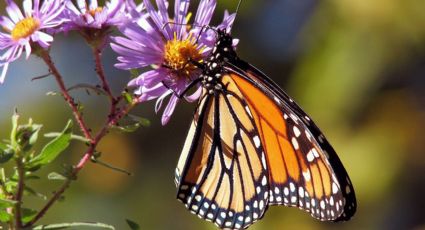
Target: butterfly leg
(190,86)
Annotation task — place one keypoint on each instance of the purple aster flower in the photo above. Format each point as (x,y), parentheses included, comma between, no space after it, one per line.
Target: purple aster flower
(22,30)
(91,15)
(166,44)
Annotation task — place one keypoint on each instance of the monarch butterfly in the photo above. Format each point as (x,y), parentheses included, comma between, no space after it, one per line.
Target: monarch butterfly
(251,146)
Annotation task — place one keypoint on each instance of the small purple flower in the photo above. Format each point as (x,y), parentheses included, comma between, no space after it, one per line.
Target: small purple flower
(93,16)
(166,44)
(20,30)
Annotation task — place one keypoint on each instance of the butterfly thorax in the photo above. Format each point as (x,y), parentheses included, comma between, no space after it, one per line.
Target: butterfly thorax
(214,66)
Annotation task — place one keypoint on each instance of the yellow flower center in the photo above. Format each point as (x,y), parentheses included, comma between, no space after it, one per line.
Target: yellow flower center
(180,53)
(93,12)
(25,28)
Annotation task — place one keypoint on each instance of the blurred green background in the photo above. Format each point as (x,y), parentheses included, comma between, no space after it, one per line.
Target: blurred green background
(356,66)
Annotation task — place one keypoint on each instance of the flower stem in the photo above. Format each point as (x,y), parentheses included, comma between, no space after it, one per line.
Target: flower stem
(19,192)
(86,158)
(74,107)
(97,53)
(113,117)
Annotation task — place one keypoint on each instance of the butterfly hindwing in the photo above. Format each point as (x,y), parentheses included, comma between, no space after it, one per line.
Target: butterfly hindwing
(220,174)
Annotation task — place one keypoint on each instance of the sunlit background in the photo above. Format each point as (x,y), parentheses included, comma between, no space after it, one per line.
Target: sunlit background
(356,66)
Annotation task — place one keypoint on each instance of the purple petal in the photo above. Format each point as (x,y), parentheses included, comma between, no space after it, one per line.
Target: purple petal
(156,19)
(180,13)
(205,12)
(82,5)
(3,72)
(13,11)
(27,5)
(93,4)
(6,23)
(150,78)
(169,110)
(161,98)
(27,50)
(195,96)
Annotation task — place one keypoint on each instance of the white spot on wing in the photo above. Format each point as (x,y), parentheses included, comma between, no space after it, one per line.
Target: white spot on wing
(248,111)
(308,135)
(261,205)
(276,100)
(310,156)
(263,160)
(223,215)
(296,131)
(292,187)
(307,175)
(264,181)
(322,204)
(286,191)
(295,143)
(316,154)
(334,188)
(256,141)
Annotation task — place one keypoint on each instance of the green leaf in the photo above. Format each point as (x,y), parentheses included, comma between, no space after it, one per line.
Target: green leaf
(109,166)
(28,214)
(74,226)
(139,122)
(87,87)
(32,192)
(5,203)
(6,155)
(134,73)
(3,146)
(127,128)
(34,135)
(56,176)
(53,148)
(15,119)
(4,216)
(28,176)
(127,96)
(73,137)
(27,135)
(142,121)
(52,93)
(11,185)
(133,225)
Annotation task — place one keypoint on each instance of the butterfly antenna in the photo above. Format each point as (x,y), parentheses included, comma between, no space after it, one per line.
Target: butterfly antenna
(238,7)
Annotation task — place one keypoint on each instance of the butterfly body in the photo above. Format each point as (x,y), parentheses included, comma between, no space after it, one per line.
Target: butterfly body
(251,146)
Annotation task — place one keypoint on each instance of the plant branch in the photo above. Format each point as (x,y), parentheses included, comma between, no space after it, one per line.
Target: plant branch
(97,53)
(86,158)
(19,192)
(48,60)
(113,117)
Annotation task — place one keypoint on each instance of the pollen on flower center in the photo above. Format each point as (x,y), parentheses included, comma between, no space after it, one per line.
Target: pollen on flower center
(25,28)
(93,12)
(179,53)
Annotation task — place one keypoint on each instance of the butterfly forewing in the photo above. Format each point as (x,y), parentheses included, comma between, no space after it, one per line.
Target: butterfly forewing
(304,170)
